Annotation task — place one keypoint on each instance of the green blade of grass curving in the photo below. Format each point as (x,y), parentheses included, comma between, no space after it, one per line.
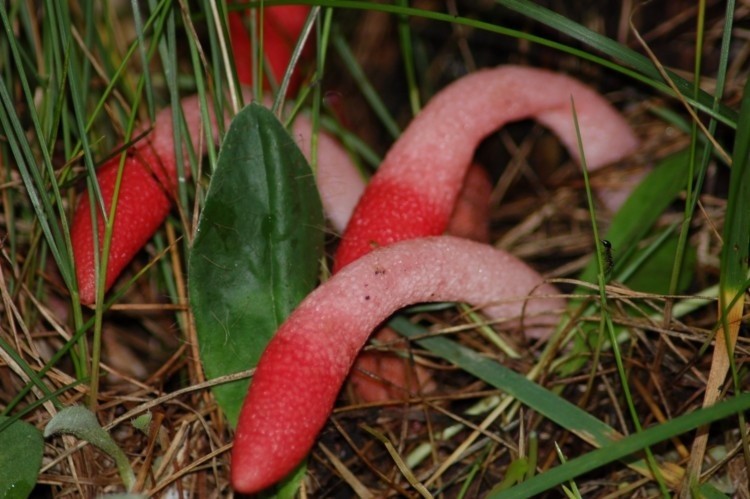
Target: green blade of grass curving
(545,402)
(369,93)
(617,51)
(257,250)
(626,447)
(31,174)
(636,65)
(732,282)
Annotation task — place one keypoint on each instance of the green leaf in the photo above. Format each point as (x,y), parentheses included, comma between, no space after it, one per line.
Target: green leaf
(515,474)
(81,422)
(21,449)
(143,422)
(643,208)
(653,274)
(257,250)
(708,491)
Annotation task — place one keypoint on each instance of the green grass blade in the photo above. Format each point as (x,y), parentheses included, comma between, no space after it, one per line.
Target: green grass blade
(734,261)
(34,378)
(615,50)
(626,447)
(141,44)
(34,181)
(638,67)
(407,54)
(736,235)
(546,403)
(606,319)
(369,93)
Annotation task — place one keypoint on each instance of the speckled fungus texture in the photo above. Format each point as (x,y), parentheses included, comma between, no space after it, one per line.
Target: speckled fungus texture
(149,185)
(147,188)
(301,371)
(379,376)
(415,189)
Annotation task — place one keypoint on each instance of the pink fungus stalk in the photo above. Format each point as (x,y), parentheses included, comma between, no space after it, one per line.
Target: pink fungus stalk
(299,375)
(415,189)
(379,376)
(339,181)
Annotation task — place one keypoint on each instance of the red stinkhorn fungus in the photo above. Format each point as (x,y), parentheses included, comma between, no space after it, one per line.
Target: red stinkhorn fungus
(149,183)
(415,189)
(303,367)
(282,26)
(404,202)
(149,178)
(379,376)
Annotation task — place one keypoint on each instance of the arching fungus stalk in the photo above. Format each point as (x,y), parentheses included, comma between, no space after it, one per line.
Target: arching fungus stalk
(378,375)
(415,189)
(422,188)
(305,364)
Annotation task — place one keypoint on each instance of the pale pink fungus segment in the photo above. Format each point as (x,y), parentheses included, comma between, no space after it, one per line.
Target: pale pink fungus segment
(339,181)
(161,138)
(431,157)
(300,373)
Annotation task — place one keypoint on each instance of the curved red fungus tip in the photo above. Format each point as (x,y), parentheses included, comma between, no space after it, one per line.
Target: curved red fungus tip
(301,371)
(150,176)
(149,182)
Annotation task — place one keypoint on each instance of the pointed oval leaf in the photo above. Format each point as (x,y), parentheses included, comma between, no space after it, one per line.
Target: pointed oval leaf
(82,423)
(257,250)
(21,448)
